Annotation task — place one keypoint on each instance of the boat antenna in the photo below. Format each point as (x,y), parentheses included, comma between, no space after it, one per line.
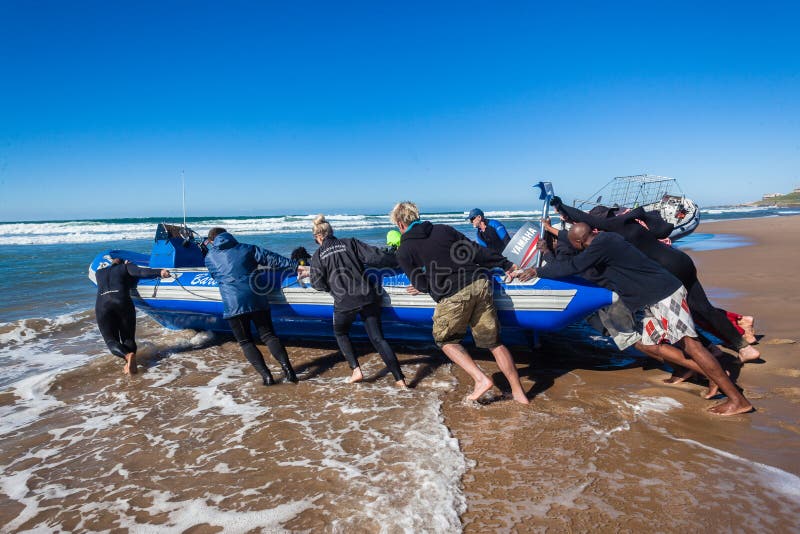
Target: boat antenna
(183,195)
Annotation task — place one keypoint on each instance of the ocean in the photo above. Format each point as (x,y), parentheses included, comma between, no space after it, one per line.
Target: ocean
(194,443)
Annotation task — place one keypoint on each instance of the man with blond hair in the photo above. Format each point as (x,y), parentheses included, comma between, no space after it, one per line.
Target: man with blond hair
(454,271)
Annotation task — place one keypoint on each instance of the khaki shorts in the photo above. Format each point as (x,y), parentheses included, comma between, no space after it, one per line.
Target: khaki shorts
(472,306)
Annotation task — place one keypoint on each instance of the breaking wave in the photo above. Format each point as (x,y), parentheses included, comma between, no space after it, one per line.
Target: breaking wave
(102,231)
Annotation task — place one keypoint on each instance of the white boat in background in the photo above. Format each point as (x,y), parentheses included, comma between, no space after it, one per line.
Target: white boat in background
(652,193)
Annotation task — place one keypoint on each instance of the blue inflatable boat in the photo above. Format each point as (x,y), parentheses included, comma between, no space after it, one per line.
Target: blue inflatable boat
(191,299)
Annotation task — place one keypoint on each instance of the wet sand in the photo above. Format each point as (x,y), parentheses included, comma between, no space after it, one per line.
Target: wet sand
(617,450)
(195,443)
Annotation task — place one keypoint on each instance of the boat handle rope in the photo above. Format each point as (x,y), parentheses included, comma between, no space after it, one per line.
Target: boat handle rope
(177,279)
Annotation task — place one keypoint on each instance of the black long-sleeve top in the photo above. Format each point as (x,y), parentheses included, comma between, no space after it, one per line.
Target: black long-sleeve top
(565,251)
(116,281)
(338,267)
(637,280)
(440,260)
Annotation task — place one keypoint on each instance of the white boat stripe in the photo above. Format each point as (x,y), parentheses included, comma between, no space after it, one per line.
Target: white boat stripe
(527,299)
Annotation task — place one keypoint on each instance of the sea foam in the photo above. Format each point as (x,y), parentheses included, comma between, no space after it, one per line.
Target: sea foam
(71,232)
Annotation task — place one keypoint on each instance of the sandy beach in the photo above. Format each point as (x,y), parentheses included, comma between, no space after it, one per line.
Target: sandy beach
(585,457)
(195,444)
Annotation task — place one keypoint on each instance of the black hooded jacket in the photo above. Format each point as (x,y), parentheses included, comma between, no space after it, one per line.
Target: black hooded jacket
(338,267)
(440,260)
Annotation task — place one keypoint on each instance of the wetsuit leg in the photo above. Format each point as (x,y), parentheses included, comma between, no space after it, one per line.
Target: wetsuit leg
(715,318)
(109,320)
(127,327)
(263,321)
(371,315)
(240,325)
(342,321)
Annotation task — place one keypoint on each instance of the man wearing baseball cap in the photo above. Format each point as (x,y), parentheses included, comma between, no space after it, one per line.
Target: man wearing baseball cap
(490,233)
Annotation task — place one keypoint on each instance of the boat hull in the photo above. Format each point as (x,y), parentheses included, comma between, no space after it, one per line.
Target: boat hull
(191,300)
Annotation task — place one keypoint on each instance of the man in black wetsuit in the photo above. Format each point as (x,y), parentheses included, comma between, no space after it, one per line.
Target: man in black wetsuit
(643,284)
(116,315)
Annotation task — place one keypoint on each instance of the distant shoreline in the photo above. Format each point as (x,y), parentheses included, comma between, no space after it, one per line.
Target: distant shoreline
(789,200)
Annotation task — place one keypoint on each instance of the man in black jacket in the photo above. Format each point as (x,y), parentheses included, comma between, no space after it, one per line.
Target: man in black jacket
(643,284)
(454,271)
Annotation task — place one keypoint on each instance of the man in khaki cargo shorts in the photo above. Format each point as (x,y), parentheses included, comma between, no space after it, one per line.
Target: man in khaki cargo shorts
(454,271)
(472,306)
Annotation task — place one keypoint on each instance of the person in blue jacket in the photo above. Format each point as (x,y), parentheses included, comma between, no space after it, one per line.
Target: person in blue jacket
(234,266)
(490,233)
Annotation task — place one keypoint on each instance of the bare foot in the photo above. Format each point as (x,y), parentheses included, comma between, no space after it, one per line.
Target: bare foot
(357,376)
(401,383)
(713,391)
(480,388)
(521,398)
(730,407)
(130,364)
(749,353)
(679,375)
(748,323)
(713,388)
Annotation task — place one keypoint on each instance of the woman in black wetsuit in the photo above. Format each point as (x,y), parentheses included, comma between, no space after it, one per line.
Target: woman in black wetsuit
(338,267)
(114,309)
(672,259)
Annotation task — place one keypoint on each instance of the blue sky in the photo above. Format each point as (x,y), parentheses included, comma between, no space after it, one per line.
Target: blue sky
(299,107)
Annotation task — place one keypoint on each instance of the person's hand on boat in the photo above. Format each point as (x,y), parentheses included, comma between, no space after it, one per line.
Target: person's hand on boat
(165,273)
(411,290)
(510,274)
(525,274)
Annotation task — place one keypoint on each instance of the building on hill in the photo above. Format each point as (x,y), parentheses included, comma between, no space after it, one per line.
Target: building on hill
(771,195)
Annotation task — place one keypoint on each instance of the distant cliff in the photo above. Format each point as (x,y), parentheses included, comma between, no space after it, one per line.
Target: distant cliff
(791,200)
